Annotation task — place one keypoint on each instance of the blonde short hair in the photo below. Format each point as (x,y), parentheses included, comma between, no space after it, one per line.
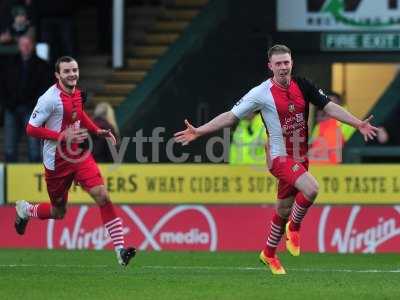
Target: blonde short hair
(105,111)
(278,49)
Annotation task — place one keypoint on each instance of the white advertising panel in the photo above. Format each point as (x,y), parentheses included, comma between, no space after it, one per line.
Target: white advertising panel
(338,15)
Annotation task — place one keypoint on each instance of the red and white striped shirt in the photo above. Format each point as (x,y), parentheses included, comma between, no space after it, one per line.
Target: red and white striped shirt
(284,112)
(54,112)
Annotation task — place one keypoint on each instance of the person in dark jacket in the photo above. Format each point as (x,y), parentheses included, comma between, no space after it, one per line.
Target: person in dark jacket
(23,80)
(21,25)
(56,26)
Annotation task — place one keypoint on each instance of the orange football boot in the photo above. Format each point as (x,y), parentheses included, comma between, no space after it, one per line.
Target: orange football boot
(273,263)
(292,240)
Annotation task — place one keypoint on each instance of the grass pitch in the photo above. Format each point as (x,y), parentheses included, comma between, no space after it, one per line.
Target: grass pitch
(43,274)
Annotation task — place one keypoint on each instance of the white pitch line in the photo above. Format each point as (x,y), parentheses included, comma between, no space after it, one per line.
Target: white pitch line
(308,270)
(345,270)
(53,266)
(202,268)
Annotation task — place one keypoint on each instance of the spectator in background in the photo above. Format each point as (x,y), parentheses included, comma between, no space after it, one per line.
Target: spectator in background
(5,15)
(23,80)
(104,17)
(248,140)
(104,12)
(55,20)
(104,117)
(391,123)
(21,25)
(329,136)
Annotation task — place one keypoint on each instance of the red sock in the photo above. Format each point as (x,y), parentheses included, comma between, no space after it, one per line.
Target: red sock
(107,212)
(113,225)
(41,211)
(299,210)
(276,232)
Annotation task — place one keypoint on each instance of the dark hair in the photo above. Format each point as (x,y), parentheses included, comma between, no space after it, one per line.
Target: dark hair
(278,49)
(63,59)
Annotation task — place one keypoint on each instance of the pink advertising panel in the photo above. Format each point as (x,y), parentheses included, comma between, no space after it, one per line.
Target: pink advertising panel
(344,229)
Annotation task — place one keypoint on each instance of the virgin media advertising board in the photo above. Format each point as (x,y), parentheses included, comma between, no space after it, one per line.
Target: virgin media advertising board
(343,229)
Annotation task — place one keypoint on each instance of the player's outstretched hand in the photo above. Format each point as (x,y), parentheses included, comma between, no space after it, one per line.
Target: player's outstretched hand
(367,130)
(107,134)
(186,136)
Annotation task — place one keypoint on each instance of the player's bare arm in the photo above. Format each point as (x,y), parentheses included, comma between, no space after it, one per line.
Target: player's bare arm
(226,119)
(339,113)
